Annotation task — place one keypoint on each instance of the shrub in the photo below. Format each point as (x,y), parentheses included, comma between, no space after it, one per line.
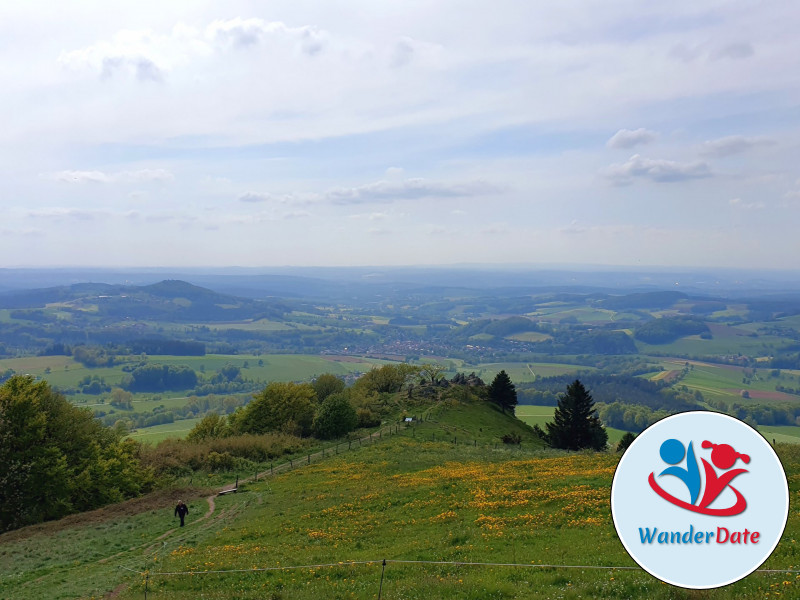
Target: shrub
(335,418)
(367,418)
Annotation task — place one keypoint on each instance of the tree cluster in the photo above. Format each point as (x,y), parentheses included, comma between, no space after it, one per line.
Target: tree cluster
(322,408)
(57,459)
(159,378)
(665,329)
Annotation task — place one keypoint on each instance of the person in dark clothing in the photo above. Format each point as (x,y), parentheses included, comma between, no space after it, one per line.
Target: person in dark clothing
(181,510)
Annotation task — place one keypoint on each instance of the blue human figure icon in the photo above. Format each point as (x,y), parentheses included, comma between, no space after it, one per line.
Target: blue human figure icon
(672,453)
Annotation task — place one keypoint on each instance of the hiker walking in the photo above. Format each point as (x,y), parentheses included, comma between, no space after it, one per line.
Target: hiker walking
(181,510)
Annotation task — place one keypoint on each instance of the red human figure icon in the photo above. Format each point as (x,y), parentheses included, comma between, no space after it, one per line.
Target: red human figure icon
(724,457)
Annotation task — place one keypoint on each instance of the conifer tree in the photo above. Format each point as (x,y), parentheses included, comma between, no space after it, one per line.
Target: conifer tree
(502,392)
(575,423)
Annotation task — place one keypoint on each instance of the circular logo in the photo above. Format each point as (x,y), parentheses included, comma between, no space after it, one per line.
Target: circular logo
(699,500)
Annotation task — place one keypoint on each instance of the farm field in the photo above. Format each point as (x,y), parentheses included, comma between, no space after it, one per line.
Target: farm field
(402,499)
(530,336)
(158,433)
(581,315)
(720,344)
(539,415)
(726,382)
(260,325)
(524,372)
(64,371)
(276,367)
(781,434)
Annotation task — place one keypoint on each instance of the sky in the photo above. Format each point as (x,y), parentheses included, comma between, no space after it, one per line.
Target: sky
(356,132)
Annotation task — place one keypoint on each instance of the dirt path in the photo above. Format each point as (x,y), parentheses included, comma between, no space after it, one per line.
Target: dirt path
(150,545)
(211,508)
(115,592)
(284,467)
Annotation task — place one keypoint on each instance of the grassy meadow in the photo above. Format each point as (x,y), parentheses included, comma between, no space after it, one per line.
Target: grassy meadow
(157,433)
(524,372)
(405,498)
(64,371)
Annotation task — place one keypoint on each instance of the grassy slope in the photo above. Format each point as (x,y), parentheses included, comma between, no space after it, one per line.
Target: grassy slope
(405,497)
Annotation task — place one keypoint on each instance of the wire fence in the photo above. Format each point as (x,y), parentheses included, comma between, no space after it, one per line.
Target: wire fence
(384,562)
(396,429)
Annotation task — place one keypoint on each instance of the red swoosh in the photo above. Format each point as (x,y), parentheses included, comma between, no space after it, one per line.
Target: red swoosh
(737,508)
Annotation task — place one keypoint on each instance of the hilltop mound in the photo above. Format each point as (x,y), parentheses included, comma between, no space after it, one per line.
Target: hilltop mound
(171,299)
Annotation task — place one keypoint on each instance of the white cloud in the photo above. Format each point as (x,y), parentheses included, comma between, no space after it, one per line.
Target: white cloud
(407,50)
(574,228)
(25,232)
(395,172)
(258,197)
(628,138)
(170,217)
(296,214)
(658,170)
(410,189)
(143,54)
(267,197)
(735,51)
(243,33)
(380,192)
(140,176)
(738,203)
(496,229)
(150,56)
(707,52)
(61,213)
(793,194)
(374,216)
(733,144)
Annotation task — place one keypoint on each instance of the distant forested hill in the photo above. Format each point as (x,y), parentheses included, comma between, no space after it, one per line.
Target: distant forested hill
(170,300)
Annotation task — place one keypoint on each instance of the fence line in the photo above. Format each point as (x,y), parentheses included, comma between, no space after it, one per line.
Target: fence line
(395,429)
(388,561)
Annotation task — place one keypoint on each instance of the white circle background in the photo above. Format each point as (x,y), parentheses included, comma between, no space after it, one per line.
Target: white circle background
(635,505)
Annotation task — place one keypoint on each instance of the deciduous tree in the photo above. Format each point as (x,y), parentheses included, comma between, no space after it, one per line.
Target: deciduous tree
(327,384)
(56,458)
(336,417)
(287,407)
